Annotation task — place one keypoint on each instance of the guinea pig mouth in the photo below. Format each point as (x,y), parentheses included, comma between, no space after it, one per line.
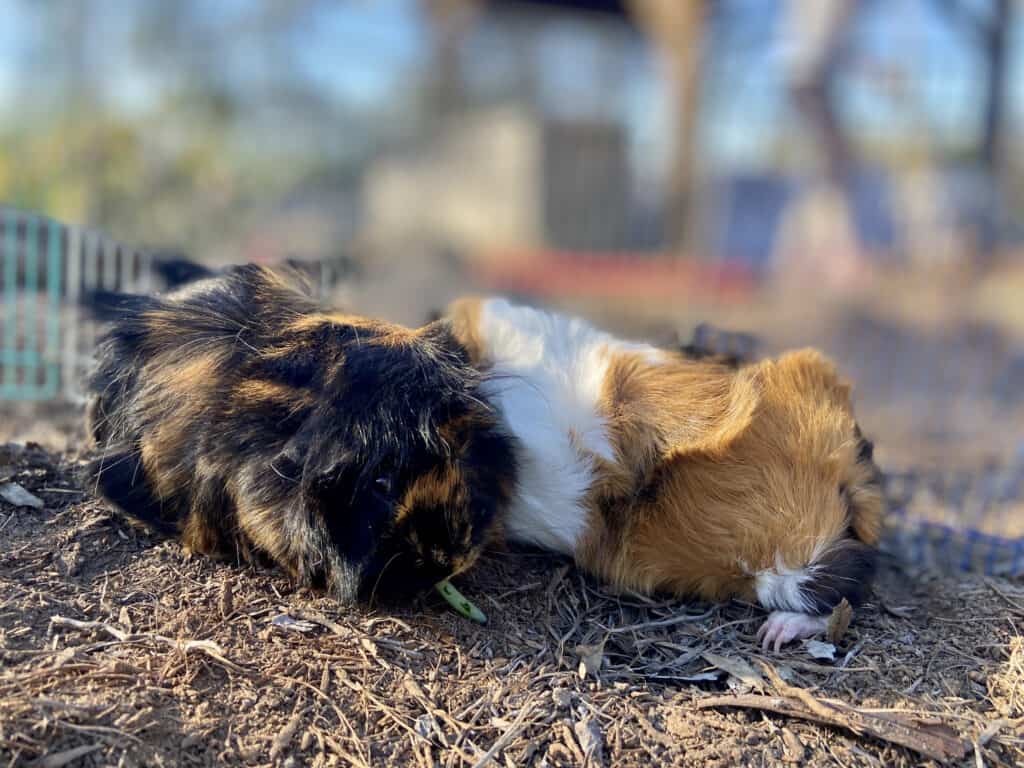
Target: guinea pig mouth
(398,577)
(846,570)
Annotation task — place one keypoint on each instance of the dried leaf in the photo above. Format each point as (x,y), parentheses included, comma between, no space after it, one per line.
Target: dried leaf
(591,658)
(285,736)
(839,621)
(124,618)
(415,689)
(562,697)
(701,677)
(588,733)
(286,622)
(369,646)
(795,750)
(14,494)
(899,611)
(227,599)
(737,668)
(425,725)
(63,657)
(819,650)
(785,672)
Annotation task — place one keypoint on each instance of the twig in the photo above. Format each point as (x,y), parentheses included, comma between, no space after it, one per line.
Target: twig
(285,735)
(928,742)
(98,729)
(669,622)
(342,719)
(59,759)
(499,744)
(207,647)
(1018,608)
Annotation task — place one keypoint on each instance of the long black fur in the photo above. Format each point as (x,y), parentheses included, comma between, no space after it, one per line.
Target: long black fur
(358,455)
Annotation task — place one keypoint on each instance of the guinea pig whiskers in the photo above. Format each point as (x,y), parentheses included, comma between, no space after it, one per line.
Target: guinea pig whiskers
(238,338)
(281,474)
(477,401)
(376,583)
(102,467)
(513,378)
(319,560)
(135,472)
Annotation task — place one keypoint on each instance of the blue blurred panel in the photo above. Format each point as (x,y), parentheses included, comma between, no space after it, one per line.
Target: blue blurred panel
(617,7)
(9,249)
(749,218)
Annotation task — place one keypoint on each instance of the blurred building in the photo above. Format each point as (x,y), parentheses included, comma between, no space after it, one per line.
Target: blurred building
(504,177)
(758,134)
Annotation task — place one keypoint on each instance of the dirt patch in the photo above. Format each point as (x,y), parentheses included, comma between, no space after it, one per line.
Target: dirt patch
(186,661)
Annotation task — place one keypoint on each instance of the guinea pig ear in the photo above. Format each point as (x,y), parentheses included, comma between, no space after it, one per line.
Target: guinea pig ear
(714,416)
(463,315)
(289,462)
(293,463)
(809,371)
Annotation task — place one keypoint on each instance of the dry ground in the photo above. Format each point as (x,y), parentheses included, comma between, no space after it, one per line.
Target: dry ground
(186,664)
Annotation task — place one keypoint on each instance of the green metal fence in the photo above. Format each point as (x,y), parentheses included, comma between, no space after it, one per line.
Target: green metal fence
(31,307)
(46,336)
(45,340)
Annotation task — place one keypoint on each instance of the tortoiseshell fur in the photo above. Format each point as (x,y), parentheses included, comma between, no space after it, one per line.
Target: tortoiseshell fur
(698,472)
(714,345)
(358,455)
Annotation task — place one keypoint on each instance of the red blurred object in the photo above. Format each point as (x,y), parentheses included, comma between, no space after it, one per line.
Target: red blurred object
(622,275)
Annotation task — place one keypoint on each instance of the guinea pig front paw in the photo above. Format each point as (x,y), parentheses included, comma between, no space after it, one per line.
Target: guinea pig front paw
(782,627)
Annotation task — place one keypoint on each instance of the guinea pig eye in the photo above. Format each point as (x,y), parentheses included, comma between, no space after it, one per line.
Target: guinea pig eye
(865,451)
(382,484)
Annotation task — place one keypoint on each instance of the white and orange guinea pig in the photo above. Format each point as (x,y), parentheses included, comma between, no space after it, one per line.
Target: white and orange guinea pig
(657,472)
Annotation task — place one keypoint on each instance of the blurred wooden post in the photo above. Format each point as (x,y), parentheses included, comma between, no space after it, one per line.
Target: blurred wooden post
(449,22)
(817,29)
(992,132)
(990,32)
(676,27)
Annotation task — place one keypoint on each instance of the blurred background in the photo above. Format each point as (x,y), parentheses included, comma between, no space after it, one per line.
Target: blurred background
(843,173)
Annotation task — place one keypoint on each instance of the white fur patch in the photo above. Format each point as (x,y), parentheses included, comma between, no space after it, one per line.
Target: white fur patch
(547,378)
(778,588)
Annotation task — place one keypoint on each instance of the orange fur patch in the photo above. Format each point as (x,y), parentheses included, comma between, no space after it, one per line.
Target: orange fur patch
(183,391)
(464,315)
(377,332)
(721,473)
(438,492)
(311,322)
(263,393)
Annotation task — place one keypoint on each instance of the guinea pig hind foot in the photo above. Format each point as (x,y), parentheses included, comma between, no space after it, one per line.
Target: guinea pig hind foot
(782,627)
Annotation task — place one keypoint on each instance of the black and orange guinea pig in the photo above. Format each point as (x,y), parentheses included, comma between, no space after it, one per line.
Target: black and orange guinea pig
(237,415)
(659,472)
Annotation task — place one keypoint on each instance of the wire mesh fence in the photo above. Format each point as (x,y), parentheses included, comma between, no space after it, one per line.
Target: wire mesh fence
(47,266)
(48,271)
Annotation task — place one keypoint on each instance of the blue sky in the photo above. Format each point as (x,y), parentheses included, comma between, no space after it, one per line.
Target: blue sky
(366,53)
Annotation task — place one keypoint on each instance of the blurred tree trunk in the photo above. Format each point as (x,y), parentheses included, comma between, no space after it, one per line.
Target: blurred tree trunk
(992,36)
(818,31)
(449,22)
(677,29)
(992,135)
